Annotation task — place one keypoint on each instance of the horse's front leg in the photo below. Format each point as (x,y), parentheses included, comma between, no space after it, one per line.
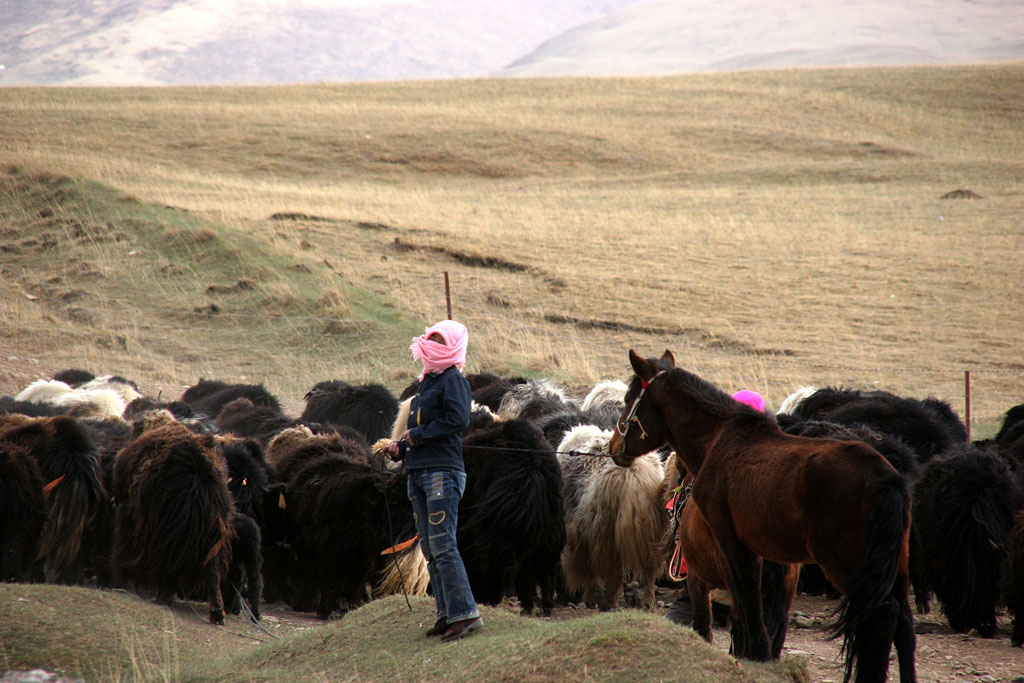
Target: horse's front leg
(744,579)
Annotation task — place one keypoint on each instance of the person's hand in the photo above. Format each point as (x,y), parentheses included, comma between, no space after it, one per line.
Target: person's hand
(393,449)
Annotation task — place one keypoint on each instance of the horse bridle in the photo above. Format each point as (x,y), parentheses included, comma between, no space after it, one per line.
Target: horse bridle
(631,416)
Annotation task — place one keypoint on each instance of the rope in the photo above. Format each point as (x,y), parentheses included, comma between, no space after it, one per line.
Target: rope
(534,450)
(391,532)
(221,626)
(250,616)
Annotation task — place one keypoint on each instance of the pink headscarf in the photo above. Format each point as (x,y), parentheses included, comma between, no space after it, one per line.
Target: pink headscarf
(751,398)
(437,357)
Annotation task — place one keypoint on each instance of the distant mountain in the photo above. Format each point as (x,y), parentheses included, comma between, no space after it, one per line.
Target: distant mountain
(673,36)
(157,42)
(166,42)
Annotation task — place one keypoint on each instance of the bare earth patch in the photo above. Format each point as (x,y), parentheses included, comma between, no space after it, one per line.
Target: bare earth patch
(942,656)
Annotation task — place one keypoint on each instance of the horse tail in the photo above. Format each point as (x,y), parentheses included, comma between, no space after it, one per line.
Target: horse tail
(867,590)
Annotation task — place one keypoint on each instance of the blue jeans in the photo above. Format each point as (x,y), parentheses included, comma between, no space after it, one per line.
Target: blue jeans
(435,495)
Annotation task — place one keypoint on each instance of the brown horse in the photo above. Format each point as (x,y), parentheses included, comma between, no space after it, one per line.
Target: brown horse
(766,494)
(706,569)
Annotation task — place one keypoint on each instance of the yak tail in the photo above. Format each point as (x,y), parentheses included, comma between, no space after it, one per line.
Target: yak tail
(74,501)
(187,515)
(75,495)
(868,589)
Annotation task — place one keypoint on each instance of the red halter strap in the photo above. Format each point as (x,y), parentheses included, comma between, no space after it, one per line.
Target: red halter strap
(631,416)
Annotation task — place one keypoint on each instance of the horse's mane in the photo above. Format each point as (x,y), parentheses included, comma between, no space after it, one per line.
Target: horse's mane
(720,403)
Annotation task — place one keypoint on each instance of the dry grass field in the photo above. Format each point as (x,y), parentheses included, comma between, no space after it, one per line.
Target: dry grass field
(774,229)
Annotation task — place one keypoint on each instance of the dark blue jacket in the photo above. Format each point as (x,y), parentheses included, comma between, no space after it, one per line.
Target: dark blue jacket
(438,415)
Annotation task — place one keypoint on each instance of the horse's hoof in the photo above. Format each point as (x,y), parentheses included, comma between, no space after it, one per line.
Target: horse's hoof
(217,617)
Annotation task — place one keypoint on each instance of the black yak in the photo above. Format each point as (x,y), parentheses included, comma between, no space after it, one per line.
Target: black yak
(244,418)
(209,396)
(74,377)
(964,505)
(328,523)
(174,513)
(511,521)
(249,480)
(1013,578)
(76,537)
(338,510)
(929,427)
(22,510)
(369,409)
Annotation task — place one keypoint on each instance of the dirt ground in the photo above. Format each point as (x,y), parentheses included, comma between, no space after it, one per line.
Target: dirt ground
(941,654)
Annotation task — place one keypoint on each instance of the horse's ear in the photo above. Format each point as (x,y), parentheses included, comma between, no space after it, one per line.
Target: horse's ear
(669,358)
(640,365)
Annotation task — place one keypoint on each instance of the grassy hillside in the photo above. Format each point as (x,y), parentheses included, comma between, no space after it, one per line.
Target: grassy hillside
(773,229)
(104,635)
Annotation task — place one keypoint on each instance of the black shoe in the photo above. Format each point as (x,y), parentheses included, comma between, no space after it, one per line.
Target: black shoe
(439,627)
(462,628)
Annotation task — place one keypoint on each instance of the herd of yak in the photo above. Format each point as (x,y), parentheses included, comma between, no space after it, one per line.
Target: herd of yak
(221,496)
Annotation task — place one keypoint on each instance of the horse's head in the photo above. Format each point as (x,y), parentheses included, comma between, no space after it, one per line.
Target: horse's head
(640,428)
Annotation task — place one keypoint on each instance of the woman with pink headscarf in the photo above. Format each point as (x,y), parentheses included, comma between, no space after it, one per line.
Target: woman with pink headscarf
(432,449)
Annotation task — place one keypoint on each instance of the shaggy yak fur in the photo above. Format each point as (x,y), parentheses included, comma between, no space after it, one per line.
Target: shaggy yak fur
(615,521)
(1010,438)
(511,524)
(1013,578)
(534,400)
(179,409)
(338,510)
(9,405)
(244,418)
(76,538)
(487,387)
(174,513)
(369,409)
(600,408)
(209,396)
(99,398)
(929,427)
(108,437)
(964,506)
(490,393)
(22,510)
(249,480)
(74,377)
(327,525)
(244,578)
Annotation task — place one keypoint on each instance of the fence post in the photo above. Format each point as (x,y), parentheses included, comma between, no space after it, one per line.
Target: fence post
(447,295)
(967,400)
